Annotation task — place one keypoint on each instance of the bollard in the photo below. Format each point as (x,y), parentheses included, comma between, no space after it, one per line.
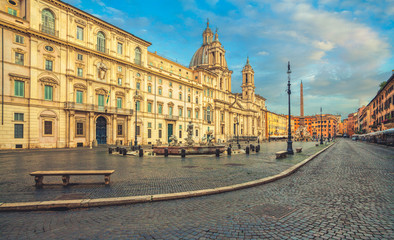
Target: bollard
(110,150)
(217,152)
(124,151)
(165,152)
(183,153)
(257,148)
(247,150)
(229,151)
(141,153)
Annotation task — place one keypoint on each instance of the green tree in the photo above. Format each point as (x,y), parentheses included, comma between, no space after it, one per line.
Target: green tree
(382,84)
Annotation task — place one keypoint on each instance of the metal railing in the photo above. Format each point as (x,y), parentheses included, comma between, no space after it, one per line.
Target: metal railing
(49,30)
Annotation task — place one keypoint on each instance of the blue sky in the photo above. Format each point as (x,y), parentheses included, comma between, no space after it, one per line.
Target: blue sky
(341,50)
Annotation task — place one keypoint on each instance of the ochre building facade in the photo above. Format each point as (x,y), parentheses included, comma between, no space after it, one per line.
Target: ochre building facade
(70,79)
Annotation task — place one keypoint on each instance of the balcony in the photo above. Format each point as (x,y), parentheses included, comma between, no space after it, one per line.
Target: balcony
(94,108)
(171,117)
(138,62)
(49,30)
(102,49)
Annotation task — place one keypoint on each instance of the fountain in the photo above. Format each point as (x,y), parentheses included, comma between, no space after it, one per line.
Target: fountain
(190,147)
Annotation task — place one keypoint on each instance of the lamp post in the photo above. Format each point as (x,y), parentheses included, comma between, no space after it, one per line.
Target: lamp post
(289,142)
(321,126)
(237,129)
(135,139)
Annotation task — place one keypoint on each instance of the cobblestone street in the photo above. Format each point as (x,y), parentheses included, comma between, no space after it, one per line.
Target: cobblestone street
(133,175)
(344,193)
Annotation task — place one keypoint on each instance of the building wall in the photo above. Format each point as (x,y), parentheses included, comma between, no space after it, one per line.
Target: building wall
(106,76)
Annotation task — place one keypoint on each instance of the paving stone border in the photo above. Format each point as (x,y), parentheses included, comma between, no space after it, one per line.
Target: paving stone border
(100,202)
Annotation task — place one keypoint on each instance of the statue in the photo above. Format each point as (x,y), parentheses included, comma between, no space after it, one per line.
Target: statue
(189,139)
(209,138)
(173,141)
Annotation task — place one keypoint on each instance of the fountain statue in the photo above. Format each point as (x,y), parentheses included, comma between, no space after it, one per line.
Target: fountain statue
(190,147)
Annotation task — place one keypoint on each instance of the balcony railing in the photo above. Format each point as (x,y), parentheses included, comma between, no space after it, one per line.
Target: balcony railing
(102,49)
(95,108)
(171,117)
(49,30)
(138,62)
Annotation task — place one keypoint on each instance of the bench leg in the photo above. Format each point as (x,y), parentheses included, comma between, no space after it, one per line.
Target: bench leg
(66,180)
(38,180)
(106,179)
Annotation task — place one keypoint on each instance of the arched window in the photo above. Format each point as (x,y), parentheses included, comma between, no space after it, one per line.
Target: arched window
(137,58)
(48,22)
(100,42)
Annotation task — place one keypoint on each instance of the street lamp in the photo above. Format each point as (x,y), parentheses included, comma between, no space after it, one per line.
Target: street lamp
(321,126)
(289,142)
(135,139)
(237,129)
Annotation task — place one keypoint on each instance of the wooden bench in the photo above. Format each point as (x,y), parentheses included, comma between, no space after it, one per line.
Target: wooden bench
(39,175)
(299,149)
(281,154)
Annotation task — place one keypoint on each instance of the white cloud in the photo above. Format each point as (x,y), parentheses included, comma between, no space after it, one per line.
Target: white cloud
(263,53)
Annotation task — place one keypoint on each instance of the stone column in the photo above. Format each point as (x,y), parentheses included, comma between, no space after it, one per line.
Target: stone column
(71,130)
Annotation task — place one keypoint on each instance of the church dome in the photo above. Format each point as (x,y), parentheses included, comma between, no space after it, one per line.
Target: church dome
(200,57)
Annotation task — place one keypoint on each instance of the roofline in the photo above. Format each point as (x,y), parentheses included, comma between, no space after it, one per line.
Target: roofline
(90,15)
(388,81)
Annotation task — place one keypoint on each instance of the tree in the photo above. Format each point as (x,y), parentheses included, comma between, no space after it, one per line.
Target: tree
(382,84)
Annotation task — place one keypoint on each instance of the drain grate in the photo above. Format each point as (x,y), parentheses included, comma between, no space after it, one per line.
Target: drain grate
(72,196)
(234,164)
(271,210)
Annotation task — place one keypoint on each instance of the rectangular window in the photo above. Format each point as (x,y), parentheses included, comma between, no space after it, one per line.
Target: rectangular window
(160,133)
(196,132)
(160,91)
(196,114)
(119,102)
(47,127)
(160,109)
(170,111)
(120,130)
(48,93)
(13,12)
(138,85)
(80,57)
(79,33)
(138,106)
(149,107)
(19,58)
(149,89)
(19,39)
(100,99)
(119,81)
(180,112)
(79,128)
(160,81)
(80,72)
(149,133)
(119,68)
(19,88)
(180,134)
(48,65)
(120,48)
(79,97)
(18,130)
(138,131)
(18,117)
(189,113)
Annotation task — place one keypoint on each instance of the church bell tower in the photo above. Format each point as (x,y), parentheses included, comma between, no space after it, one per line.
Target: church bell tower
(248,82)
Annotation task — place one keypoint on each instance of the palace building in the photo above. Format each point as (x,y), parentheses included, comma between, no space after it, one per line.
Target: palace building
(70,79)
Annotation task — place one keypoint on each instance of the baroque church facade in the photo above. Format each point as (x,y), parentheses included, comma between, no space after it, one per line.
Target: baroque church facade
(70,79)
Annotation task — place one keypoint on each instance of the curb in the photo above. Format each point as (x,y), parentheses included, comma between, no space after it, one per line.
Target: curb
(100,202)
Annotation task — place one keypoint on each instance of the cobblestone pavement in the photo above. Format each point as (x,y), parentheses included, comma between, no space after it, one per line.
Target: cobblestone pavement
(344,193)
(133,175)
